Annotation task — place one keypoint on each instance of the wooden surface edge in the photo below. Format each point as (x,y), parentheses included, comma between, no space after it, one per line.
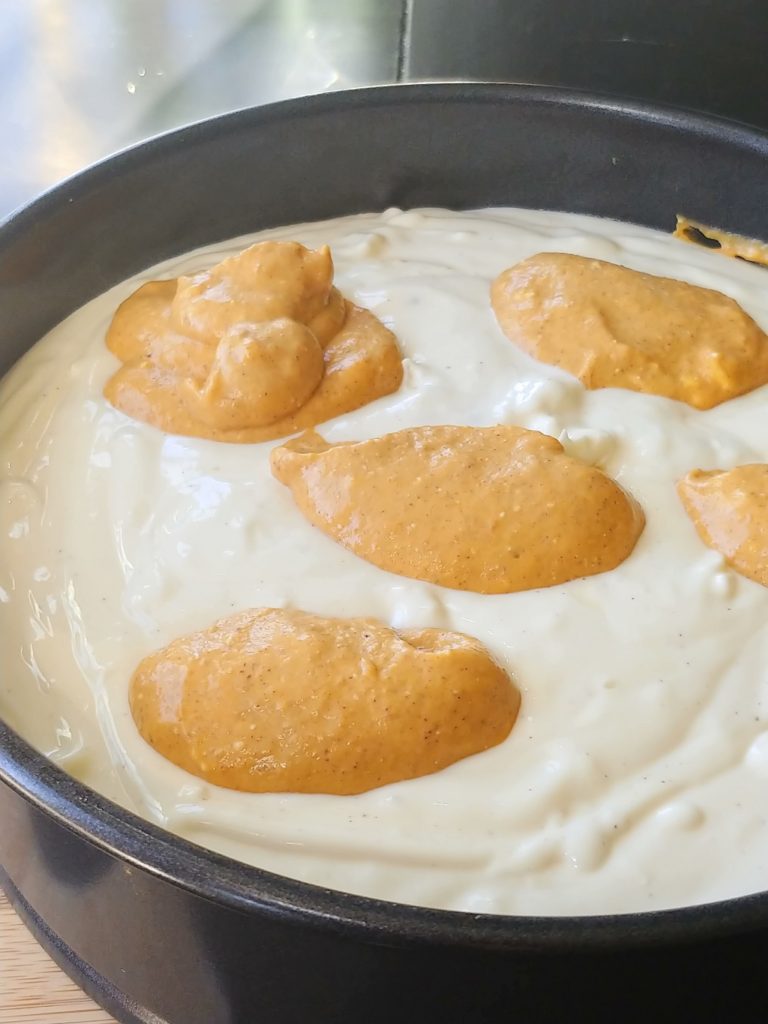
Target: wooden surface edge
(33,990)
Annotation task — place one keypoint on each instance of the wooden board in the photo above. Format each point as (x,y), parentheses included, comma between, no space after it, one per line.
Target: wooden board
(33,990)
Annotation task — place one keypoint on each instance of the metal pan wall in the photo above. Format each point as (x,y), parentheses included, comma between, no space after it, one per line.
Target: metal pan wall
(160,930)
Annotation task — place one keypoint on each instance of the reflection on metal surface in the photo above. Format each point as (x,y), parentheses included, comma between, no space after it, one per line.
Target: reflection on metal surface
(80,78)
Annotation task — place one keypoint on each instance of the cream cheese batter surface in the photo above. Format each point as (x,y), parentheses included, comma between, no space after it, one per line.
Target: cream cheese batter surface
(635,778)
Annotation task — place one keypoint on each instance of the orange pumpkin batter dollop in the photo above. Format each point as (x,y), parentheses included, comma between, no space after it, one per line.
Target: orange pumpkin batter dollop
(258,347)
(273,700)
(617,328)
(729,509)
(492,509)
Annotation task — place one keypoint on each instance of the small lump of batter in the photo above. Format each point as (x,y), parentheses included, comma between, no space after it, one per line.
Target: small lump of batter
(618,328)
(277,700)
(491,510)
(726,243)
(258,347)
(729,509)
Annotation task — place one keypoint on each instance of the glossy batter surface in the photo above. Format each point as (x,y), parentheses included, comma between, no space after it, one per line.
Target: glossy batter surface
(636,774)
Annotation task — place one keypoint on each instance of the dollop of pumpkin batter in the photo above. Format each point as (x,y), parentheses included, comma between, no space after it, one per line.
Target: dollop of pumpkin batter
(617,328)
(275,700)
(258,347)
(729,509)
(491,509)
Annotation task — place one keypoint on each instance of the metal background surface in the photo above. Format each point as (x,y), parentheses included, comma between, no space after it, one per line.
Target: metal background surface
(82,78)
(706,54)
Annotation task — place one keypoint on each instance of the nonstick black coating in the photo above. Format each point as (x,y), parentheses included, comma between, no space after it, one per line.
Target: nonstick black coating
(161,930)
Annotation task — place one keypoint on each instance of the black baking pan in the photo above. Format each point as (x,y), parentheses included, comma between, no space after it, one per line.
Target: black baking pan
(158,929)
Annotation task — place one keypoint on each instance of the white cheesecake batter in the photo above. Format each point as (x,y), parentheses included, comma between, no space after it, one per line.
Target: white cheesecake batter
(636,776)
